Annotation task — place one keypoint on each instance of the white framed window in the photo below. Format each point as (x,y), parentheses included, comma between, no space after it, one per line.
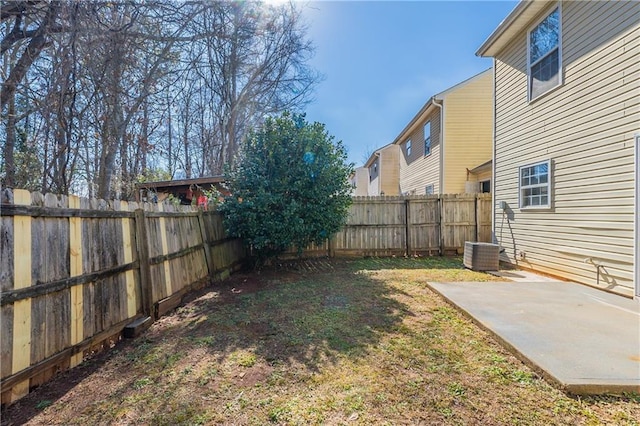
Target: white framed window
(535,185)
(429,189)
(408,147)
(544,64)
(427,138)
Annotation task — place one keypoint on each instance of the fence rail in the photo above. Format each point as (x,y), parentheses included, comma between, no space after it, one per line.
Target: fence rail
(75,272)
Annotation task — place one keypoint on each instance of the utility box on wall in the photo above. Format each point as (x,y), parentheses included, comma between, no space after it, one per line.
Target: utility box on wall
(481,256)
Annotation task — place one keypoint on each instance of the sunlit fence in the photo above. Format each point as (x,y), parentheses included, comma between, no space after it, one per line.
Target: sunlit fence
(408,226)
(75,272)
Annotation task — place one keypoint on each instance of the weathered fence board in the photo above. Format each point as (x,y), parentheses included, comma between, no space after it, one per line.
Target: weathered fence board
(81,270)
(414,225)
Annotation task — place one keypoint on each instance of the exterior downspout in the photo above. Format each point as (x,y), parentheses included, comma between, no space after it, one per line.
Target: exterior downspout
(441,173)
(493,162)
(377,154)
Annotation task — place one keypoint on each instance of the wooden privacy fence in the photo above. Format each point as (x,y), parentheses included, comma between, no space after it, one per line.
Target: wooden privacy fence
(412,225)
(75,272)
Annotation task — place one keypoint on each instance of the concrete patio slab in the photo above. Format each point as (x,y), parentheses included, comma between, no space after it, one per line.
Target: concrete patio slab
(584,340)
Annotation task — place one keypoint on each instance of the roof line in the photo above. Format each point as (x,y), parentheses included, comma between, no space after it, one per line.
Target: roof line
(502,27)
(181,182)
(429,104)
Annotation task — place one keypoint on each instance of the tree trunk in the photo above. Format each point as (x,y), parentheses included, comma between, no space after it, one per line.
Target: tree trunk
(10,144)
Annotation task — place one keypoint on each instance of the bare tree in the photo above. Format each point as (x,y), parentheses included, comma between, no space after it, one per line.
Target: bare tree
(101,92)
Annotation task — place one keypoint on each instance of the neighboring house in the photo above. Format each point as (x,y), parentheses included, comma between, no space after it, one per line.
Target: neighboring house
(449,135)
(359,181)
(567,130)
(383,166)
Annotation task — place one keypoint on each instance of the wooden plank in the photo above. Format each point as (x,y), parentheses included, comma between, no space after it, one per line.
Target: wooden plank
(204,238)
(165,250)
(21,351)
(24,375)
(408,225)
(6,341)
(137,327)
(56,212)
(55,286)
(89,298)
(175,255)
(75,252)
(6,253)
(146,290)
(128,258)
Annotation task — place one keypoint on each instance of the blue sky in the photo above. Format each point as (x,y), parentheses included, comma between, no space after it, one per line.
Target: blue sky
(382,60)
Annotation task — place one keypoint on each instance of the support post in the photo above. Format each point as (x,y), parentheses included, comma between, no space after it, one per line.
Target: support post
(440,222)
(205,244)
(407,215)
(77,307)
(475,215)
(145,269)
(165,250)
(128,258)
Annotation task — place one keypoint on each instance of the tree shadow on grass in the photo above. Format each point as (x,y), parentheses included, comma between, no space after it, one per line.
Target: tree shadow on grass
(304,313)
(287,314)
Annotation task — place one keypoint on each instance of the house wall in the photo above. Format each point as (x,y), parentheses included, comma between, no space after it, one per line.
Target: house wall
(479,177)
(389,158)
(374,178)
(417,171)
(361,182)
(468,130)
(586,128)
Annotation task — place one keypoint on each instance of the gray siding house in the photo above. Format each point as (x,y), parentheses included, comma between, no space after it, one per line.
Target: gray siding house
(566,136)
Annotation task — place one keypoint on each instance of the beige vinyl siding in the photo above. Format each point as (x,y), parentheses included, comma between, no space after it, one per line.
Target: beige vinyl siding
(586,128)
(390,170)
(361,181)
(418,171)
(468,121)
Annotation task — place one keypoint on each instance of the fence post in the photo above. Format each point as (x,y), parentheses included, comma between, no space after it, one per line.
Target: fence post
(75,257)
(440,223)
(168,284)
(145,269)
(332,245)
(205,243)
(128,258)
(475,216)
(407,215)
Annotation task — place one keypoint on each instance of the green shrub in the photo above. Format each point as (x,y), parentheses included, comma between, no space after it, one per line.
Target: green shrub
(289,188)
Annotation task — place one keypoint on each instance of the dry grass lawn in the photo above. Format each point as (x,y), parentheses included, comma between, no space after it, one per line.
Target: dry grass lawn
(317,342)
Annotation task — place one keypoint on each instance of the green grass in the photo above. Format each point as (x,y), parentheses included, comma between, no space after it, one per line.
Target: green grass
(358,342)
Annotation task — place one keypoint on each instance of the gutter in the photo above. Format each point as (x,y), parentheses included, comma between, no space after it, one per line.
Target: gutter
(493,163)
(377,154)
